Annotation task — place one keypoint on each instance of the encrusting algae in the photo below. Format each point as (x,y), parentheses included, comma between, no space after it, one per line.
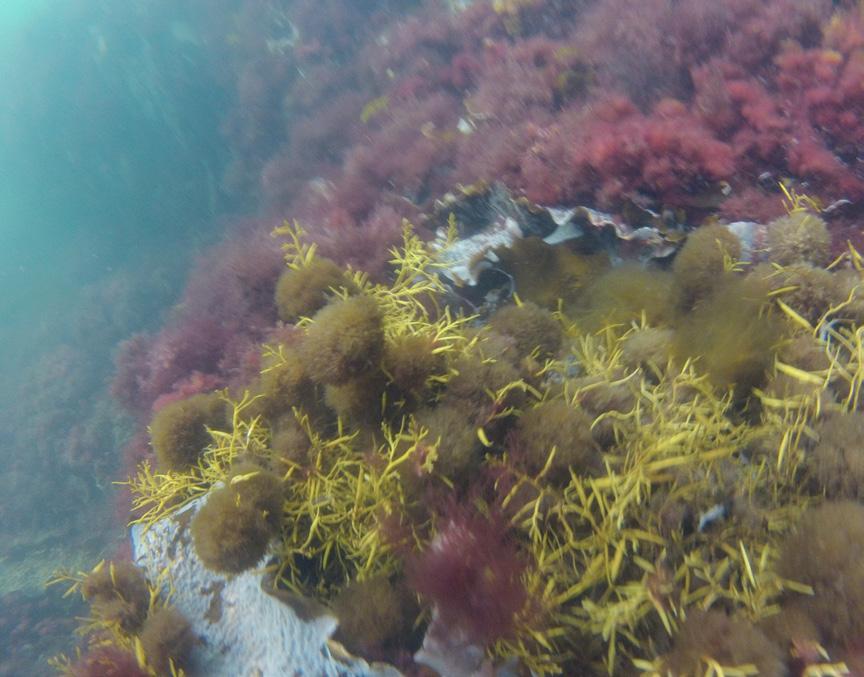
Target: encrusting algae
(644,496)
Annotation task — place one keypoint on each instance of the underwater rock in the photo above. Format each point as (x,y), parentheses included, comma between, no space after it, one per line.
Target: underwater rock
(488,218)
(240,628)
(452,654)
(751,235)
(489,222)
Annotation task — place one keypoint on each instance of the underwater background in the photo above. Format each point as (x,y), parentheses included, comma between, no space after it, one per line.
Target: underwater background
(109,147)
(520,336)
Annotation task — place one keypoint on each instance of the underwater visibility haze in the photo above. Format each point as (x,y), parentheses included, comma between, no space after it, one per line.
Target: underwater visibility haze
(459,338)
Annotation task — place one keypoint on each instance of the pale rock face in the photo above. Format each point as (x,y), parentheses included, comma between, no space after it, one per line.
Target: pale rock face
(242,630)
(450,654)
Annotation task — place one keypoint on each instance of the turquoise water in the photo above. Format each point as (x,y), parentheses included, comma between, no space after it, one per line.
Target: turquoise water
(15,14)
(92,190)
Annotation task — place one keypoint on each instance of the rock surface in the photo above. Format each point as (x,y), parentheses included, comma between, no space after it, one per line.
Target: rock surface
(242,630)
